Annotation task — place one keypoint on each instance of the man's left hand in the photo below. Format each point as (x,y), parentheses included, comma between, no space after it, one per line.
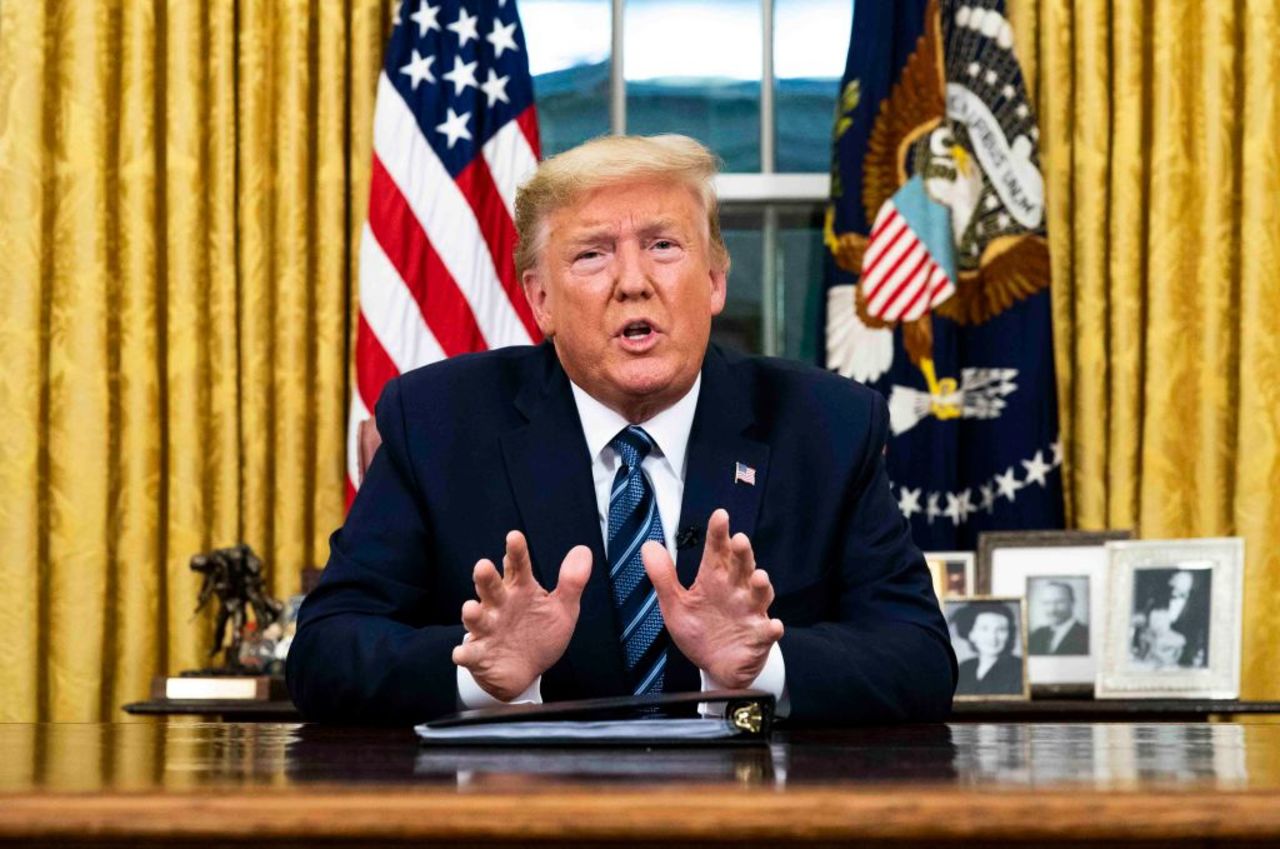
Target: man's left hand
(721,623)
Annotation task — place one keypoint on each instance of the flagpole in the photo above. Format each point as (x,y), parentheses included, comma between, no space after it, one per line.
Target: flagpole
(617,75)
(769,306)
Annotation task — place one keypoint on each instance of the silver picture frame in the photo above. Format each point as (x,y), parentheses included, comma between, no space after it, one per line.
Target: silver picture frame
(1174,620)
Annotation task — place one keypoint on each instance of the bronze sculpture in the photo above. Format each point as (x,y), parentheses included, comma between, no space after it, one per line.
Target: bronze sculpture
(235,577)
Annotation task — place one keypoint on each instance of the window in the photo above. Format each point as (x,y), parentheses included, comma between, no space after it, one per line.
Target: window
(756,81)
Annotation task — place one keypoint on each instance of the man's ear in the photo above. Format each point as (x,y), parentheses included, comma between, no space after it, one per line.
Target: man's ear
(535,291)
(719,289)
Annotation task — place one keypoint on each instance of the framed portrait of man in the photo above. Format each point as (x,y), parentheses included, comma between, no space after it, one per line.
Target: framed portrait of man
(989,636)
(1063,577)
(1174,620)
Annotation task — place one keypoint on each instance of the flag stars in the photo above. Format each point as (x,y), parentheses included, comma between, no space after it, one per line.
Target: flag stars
(495,88)
(465,27)
(988,504)
(959,506)
(1056,448)
(426,18)
(1008,484)
(909,503)
(455,127)
(502,38)
(419,69)
(991,77)
(462,76)
(1036,469)
(932,510)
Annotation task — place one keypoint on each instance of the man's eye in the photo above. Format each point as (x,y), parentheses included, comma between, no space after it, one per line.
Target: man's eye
(664,244)
(587,255)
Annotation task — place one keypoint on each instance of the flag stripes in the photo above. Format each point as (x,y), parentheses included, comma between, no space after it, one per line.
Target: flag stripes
(437,275)
(900,279)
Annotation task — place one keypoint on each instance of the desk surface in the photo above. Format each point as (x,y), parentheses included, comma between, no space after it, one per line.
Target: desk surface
(281,784)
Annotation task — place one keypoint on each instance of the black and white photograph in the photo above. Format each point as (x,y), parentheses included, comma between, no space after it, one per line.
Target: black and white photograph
(1174,619)
(988,635)
(1170,625)
(1058,615)
(1063,577)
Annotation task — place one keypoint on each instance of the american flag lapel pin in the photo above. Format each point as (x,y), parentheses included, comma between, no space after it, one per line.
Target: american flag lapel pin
(742,473)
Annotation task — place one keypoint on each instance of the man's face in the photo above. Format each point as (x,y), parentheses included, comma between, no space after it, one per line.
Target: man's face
(1055,604)
(627,286)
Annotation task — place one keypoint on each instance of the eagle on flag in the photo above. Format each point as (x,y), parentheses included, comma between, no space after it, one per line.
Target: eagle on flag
(952,184)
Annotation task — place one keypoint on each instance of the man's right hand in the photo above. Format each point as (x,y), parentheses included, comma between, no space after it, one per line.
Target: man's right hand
(517,629)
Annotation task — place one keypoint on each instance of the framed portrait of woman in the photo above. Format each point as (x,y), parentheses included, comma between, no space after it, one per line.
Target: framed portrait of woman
(1174,622)
(989,635)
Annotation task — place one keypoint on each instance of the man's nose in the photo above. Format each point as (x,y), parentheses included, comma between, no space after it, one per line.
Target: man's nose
(633,278)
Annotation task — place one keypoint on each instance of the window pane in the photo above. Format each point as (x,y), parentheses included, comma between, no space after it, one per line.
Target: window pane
(739,326)
(694,67)
(569,51)
(800,280)
(811,41)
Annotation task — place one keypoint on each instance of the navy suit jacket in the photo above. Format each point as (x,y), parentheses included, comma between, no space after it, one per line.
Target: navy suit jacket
(476,446)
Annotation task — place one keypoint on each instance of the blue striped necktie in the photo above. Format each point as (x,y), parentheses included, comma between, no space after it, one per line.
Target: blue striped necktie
(634,519)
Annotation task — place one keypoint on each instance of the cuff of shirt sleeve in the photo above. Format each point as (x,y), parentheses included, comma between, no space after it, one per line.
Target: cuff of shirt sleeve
(772,679)
(471,695)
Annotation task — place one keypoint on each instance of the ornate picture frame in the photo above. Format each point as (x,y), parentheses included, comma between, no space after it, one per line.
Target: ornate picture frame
(1174,625)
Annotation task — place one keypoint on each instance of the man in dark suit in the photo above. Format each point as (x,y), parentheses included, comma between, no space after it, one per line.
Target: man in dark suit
(1063,633)
(638,483)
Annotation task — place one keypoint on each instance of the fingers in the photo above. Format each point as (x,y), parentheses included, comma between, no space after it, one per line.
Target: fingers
(661,572)
(488,582)
(472,615)
(742,558)
(575,570)
(761,589)
(516,566)
(717,545)
(774,630)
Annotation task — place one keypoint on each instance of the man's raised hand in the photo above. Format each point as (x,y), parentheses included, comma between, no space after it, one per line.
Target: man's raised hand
(721,623)
(517,629)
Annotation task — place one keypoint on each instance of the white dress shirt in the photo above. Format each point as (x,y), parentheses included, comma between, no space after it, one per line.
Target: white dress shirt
(1059,634)
(665,467)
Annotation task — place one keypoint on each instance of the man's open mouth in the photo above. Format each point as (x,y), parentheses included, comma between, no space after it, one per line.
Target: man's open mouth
(637,329)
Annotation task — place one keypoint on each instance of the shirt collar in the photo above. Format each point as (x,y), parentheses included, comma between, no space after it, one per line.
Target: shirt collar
(668,429)
(1064,627)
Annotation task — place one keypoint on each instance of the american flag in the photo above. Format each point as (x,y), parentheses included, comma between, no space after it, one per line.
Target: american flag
(744,474)
(454,133)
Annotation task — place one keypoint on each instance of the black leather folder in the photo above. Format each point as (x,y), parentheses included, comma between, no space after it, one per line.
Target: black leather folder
(666,719)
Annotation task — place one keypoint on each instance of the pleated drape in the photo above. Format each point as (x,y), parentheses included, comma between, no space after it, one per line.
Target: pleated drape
(181,190)
(1160,123)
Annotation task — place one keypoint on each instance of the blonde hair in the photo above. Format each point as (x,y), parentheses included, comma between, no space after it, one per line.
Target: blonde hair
(605,161)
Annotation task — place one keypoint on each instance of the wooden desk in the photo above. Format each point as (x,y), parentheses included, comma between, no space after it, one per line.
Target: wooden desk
(281,785)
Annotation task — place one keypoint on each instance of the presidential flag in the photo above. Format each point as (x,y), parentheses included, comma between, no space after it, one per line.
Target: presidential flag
(938,266)
(454,134)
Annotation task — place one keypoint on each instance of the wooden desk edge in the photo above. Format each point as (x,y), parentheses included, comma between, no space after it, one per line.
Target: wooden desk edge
(908,813)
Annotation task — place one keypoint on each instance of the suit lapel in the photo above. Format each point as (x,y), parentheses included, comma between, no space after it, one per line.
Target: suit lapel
(717,443)
(551,480)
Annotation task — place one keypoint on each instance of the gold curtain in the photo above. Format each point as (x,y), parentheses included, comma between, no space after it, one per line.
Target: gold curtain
(1159,127)
(182,186)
